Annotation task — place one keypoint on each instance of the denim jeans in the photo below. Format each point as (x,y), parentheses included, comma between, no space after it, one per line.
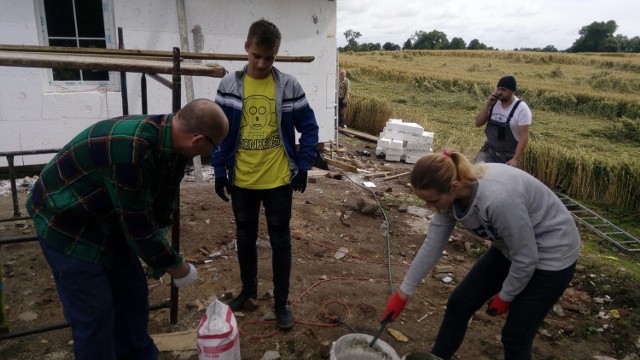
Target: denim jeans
(107,308)
(277,209)
(525,315)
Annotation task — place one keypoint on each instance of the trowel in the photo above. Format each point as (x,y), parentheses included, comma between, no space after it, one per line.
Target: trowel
(379,332)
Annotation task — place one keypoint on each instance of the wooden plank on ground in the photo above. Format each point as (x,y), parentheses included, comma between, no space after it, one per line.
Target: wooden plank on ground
(317,173)
(376,175)
(397,176)
(341,165)
(176,341)
(359,134)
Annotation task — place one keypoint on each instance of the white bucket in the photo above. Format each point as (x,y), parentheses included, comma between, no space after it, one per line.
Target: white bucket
(356,347)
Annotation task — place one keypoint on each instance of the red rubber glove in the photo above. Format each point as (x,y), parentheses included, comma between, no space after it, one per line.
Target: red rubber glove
(497,306)
(395,305)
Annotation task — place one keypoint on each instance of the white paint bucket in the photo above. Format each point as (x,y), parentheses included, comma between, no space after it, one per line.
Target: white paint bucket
(356,347)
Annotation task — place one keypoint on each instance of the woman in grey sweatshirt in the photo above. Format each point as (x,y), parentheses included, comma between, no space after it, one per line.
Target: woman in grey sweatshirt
(531,260)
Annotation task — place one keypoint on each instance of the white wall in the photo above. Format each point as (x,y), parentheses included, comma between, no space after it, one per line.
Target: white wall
(33,115)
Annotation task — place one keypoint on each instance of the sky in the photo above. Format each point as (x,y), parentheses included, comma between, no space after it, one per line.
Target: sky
(505,25)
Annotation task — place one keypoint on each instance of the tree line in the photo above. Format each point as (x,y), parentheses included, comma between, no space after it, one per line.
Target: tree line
(596,37)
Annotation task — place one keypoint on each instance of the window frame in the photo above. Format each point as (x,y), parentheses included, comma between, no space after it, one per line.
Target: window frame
(110,32)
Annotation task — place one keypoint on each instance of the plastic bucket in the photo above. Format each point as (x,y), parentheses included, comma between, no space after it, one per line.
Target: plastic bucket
(356,347)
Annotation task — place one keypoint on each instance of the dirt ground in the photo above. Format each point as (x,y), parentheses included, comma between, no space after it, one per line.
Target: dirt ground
(340,282)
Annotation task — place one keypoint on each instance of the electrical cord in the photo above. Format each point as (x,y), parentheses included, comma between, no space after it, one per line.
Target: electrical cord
(387,235)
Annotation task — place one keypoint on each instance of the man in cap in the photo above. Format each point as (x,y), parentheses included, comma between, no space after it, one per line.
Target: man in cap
(508,119)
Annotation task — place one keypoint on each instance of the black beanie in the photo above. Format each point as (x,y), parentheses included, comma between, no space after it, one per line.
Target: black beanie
(507,82)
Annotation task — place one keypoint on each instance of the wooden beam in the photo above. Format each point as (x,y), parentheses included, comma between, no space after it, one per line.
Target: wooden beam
(376,175)
(397,176)
(70,61)
(132,53)
(358,134)
(341,165)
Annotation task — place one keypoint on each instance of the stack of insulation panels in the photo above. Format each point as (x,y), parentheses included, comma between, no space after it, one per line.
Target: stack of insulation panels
(404,141)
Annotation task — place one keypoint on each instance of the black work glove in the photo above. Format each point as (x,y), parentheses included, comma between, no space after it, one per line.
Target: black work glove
(222,184)
(299,182)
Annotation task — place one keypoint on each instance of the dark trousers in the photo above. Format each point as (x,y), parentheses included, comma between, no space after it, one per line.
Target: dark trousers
(341,110)
(107,308)
(277,209)
(525,315)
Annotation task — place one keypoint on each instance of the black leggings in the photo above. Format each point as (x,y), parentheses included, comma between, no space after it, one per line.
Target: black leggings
(525,315)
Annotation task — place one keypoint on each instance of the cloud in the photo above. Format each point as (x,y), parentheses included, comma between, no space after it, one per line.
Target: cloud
(500,25)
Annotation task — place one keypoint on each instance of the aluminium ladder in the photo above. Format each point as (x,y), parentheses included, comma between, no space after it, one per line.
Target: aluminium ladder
(601,226)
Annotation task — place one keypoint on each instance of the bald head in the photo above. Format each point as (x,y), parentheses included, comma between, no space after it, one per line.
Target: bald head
(203,116)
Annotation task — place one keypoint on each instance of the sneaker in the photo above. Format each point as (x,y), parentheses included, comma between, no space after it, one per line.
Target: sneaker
(238,303)
(284,318)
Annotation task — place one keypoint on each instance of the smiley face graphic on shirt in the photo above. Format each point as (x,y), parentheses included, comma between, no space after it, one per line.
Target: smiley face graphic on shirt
(259,111)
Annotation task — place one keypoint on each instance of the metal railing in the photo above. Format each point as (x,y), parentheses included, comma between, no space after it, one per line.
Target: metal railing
(172,304)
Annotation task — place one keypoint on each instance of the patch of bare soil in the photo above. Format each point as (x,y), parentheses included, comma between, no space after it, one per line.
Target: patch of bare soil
(330,295)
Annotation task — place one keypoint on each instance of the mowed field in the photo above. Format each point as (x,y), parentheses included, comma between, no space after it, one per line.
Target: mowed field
(576,99)
(585,135)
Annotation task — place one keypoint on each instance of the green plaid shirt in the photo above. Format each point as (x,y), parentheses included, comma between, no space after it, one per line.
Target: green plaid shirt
(112,186)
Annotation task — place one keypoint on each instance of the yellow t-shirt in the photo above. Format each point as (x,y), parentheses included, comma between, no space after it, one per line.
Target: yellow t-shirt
(261,162)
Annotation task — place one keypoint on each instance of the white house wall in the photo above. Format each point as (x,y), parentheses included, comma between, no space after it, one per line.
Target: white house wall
(35,115)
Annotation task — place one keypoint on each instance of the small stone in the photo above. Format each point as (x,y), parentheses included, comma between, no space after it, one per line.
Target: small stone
(355,203)
(28,316)
(270,355)
(417,211)
(369,209)
(269,315)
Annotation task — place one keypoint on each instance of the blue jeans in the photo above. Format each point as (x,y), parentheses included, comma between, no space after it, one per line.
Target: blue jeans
(277,209)
(107,308)
(525,315)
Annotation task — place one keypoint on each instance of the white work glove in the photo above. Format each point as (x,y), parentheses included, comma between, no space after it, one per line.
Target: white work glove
(191,276)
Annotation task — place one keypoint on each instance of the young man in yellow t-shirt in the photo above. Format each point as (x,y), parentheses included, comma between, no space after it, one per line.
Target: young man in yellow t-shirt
(258,163)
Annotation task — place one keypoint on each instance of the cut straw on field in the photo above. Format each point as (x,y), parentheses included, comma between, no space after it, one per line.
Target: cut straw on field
(585,111)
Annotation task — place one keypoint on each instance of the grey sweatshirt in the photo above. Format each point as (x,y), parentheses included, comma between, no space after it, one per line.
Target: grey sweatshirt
(522,218)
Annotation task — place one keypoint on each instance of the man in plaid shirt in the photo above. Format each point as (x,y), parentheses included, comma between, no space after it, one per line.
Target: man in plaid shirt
(104,202)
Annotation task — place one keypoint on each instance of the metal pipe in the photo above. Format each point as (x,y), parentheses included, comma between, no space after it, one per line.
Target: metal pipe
(161,80)
(17,239)
(14,188)
(175,226)
(143,92)
(62,325)
(29,152)
(123,78)
(15,218)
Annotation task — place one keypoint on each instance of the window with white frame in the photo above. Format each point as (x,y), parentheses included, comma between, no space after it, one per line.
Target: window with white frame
(82,24)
